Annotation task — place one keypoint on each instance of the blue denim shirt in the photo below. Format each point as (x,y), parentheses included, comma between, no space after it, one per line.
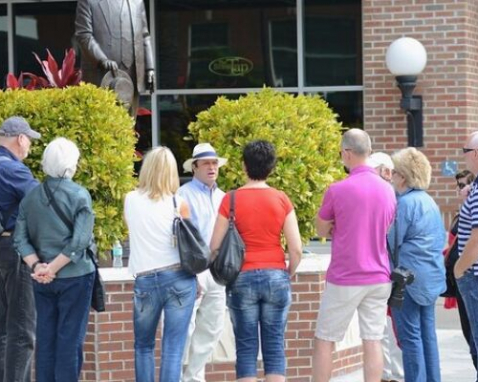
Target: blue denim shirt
(16,180)
(421,238)
(203,203)
(39,229)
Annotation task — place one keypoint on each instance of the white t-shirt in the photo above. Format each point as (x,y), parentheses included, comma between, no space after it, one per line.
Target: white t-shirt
(150,224)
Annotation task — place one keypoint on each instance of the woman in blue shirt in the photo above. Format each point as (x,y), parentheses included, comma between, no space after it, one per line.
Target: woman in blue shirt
(63,274)
(418,236)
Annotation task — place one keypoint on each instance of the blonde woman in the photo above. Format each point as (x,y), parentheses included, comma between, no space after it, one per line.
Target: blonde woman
(160,284)
(419,237)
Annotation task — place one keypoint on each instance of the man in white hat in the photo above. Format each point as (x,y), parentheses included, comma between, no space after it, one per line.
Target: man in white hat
(392,355)
(204,198)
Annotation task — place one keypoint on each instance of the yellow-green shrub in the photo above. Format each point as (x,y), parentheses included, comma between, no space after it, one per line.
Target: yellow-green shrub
(102,130)
(303,129)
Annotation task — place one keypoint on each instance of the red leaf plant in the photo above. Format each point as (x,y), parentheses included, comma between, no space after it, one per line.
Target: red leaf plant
(35,82)
(66,76)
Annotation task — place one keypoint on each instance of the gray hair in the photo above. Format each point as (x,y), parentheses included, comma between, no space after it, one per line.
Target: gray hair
(357,141)
(60,158)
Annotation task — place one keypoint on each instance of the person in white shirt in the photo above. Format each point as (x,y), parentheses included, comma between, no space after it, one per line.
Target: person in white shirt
(160,283)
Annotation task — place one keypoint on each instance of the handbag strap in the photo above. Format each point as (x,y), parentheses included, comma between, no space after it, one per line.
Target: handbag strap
(450,247)
(57,209)
(63,217)
(232,207)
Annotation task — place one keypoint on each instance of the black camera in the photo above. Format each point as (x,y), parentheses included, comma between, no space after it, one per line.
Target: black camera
(400,277)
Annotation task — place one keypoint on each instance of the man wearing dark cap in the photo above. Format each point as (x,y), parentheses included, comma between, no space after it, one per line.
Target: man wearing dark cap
(17,308)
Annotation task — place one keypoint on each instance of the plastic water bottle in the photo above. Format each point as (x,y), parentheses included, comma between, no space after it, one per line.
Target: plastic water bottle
(117,255)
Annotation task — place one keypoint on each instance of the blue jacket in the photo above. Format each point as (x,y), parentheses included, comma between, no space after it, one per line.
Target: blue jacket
(421,237)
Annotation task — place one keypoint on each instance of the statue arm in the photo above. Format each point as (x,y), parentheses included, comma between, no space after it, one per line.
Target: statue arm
(84,33)
(148,52)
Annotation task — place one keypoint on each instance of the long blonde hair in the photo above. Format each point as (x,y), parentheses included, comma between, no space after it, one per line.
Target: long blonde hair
(159,174)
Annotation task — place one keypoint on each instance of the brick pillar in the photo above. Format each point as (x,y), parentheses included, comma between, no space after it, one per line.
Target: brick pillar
(449,31)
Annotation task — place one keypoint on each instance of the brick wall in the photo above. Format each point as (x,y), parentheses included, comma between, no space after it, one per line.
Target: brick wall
(449,31)
(109,347)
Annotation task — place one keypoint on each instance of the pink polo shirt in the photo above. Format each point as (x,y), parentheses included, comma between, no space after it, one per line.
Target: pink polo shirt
(362,207)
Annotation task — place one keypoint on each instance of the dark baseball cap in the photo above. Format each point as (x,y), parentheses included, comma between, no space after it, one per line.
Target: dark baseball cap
(14,126)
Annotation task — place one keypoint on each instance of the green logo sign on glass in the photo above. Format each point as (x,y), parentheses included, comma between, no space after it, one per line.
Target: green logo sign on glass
(231,66)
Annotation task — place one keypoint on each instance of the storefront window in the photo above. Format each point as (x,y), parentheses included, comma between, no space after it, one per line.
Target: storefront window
(3,44)
(175,114)
(332,42)
(217,44)
(41,26)
(348,106)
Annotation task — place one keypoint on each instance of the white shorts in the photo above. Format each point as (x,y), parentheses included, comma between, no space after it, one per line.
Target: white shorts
(338,306)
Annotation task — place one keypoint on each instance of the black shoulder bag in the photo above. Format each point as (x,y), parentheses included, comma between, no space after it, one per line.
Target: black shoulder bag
(98,297)
(228,263)
(194,253)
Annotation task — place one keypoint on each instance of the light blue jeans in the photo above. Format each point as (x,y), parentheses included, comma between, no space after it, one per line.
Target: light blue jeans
(171,291)
(468,286)
(259,300)
(417,337)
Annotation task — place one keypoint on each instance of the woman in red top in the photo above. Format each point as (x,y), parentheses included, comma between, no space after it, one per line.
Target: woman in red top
(259,299)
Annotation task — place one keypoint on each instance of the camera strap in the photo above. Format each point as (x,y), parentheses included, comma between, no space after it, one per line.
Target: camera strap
(393,254)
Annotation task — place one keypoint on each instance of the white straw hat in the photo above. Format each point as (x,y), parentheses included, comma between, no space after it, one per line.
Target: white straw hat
(203,151)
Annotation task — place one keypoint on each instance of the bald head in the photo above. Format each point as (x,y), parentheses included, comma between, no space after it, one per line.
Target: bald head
(471,156)
(357,141)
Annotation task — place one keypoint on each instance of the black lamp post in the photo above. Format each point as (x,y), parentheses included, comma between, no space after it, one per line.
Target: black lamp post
(406,58)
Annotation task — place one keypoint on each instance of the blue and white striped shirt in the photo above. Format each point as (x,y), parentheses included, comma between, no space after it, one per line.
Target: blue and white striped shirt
(468,221)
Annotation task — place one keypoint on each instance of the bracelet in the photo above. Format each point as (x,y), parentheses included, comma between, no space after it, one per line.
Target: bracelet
(34,265)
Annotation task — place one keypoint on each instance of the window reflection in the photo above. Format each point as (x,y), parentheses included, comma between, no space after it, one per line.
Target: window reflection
(3,44)
(39,27)
(347,105)
(332,42)
(217,44)
(175,114)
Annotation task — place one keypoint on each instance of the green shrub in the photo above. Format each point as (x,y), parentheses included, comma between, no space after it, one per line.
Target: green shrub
(303,129)
(102,130)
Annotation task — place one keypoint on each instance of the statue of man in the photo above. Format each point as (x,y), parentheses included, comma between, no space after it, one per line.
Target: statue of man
(113,34)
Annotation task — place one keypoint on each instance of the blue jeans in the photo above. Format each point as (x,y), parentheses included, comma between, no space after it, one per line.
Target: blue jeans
(417,336)
(17,316)
(468,286)
(63,308)
(171,291)
(259,300)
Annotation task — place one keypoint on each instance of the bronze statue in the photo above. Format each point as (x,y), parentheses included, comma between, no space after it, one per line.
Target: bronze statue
(113,34)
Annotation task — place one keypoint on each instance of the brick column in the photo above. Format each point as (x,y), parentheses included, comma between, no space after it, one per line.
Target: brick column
(449,31)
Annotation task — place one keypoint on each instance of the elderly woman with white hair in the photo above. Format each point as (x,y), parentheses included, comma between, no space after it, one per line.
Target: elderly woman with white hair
(64,274)
(418,237)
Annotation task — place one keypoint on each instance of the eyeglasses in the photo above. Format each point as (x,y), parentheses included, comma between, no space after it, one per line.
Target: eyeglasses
(467,150)
(460,185)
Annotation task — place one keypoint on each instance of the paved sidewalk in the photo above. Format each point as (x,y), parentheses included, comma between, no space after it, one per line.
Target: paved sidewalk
(455,361)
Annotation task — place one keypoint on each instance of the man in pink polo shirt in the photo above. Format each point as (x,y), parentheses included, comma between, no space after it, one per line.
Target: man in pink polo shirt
(356,213)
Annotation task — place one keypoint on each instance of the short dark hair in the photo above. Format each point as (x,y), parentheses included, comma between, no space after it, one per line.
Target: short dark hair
(259,159)
(465,174)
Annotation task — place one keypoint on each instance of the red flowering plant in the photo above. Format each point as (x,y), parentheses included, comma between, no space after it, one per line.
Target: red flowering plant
(56,77)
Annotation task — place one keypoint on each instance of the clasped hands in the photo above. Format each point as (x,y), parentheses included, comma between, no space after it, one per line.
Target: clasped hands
(43,273)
